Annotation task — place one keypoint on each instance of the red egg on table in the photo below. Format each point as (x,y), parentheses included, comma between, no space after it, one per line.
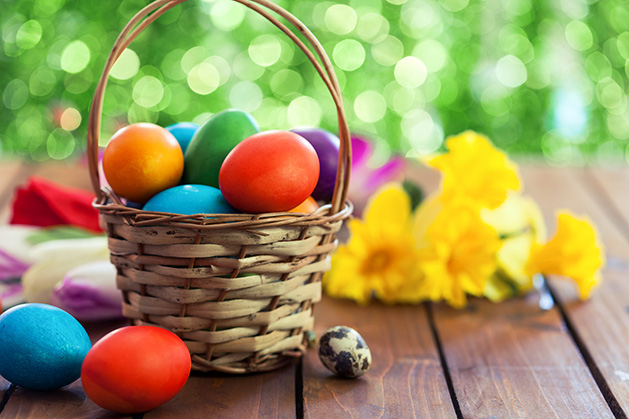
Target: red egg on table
(135,369)
(269,171)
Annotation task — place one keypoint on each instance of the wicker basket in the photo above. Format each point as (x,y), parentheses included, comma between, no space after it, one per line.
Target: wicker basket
(187,273)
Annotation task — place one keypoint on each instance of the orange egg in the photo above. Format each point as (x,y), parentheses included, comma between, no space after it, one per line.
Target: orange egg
(307,207)
(141,160)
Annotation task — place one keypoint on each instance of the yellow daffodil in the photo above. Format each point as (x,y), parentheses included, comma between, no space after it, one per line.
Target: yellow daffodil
(474,170)
(574,252)
(457,250)
(520,226)
(380,257)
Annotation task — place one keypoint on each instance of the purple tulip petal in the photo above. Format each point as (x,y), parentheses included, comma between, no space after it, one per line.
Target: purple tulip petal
(365,181)
(11,294)
(391,171)
(11,267)
(361,150)
(89,292)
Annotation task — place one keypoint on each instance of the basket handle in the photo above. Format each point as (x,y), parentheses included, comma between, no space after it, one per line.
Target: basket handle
(157,8)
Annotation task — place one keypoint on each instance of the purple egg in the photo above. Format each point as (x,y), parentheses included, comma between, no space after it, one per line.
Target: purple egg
(327,146)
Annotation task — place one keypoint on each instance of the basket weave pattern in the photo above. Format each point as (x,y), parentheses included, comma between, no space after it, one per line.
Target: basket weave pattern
(239,288)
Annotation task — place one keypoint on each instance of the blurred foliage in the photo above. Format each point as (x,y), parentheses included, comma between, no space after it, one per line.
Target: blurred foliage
(537,76)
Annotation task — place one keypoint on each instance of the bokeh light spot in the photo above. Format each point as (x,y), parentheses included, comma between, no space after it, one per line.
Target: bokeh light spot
(349,54)
(60,144)
(340,19)
(370,106)
(75,57)
(227,15)
(28,35)
(15,94)
(42,81)
(598,66)
(454,5)
(148,91)
(222,66)
(265,50)
(611,96)
(204,78)
(127,65)
(304,111)
(579,36)
(424,135)
(245,96)
(286,82)
(245,69)
(388,50)
(618,125)
(193,57)
(510,71)
(372,26)
(432,53)
(70,119)
(623,44)
(410,72)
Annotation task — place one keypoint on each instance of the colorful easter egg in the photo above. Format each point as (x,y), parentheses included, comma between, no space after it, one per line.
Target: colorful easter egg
(135,369)
(269,171)
(183,133)
(190,199)
(327,146)
(211,144)
(141,160)
(306,207)
(42,346)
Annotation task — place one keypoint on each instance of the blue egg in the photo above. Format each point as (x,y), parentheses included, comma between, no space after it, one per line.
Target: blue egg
(183,132)
(42,346)
(190,199)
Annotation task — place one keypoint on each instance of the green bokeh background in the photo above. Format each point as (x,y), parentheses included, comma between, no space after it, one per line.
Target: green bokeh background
(539,77)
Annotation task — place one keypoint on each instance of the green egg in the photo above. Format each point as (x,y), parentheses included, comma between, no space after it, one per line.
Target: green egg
(211,144)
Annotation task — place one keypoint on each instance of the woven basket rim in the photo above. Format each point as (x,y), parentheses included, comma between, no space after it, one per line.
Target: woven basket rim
(109,203)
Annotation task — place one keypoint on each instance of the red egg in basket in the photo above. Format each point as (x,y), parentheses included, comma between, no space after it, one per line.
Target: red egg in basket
(269,171)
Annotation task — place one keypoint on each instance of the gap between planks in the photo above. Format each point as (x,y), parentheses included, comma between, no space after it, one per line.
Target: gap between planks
(598,327)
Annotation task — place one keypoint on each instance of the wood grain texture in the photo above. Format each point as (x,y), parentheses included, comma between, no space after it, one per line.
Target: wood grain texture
(268,395)
(406,379)
(67,402)
(603,321)
(516,360)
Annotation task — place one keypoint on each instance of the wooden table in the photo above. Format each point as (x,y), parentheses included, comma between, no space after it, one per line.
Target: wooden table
(508,360)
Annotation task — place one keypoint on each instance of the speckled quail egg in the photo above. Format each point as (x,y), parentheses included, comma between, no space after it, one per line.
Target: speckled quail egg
(344,352)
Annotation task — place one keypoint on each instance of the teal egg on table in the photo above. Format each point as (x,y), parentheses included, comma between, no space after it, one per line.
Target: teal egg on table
(42,347)
(183,132)
(190,199)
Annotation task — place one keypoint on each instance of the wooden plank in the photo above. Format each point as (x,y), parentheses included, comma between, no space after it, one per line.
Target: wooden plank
(268,395)
(513,359)
(406,379)
(601,322)
(67,402)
